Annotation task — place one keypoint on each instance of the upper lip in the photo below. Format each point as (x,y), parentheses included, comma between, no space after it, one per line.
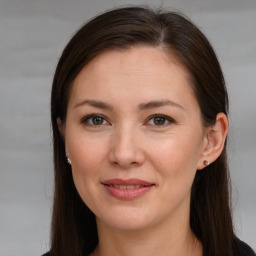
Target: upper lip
(126,182)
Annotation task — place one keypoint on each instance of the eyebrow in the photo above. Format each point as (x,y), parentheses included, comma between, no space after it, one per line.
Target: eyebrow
(142,106)
(94,103)
(159,103)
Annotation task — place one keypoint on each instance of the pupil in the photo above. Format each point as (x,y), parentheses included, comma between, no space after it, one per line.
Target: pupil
(159,121)
(97,120)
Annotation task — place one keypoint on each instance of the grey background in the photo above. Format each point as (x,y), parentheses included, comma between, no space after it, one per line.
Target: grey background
(32,36)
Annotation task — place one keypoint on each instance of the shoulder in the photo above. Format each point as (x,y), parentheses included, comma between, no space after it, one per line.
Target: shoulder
(47,254)
(243,249)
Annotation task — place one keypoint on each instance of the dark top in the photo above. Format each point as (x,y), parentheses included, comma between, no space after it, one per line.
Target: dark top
(242,250)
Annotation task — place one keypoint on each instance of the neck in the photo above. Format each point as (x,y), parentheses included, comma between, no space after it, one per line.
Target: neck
(158,240)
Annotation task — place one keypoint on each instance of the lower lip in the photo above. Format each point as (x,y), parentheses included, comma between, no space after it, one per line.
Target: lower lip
(127,194)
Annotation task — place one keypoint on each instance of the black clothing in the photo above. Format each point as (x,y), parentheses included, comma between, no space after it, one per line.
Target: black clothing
(244,250)
(241,250)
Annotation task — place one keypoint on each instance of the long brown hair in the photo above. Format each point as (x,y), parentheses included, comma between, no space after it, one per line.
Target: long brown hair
(74,229)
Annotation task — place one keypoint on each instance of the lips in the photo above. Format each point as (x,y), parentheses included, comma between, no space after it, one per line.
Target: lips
(126,186)
(127,189)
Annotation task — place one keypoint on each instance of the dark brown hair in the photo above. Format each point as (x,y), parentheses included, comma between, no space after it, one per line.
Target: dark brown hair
(74,229)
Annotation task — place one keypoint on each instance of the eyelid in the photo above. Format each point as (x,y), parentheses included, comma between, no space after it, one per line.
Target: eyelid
(168,118)
(85,119)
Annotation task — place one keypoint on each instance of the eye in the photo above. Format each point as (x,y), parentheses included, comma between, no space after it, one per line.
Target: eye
(94,120)
(160,120)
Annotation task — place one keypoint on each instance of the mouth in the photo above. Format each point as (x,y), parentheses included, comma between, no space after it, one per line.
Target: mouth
(127,189)
(126,186)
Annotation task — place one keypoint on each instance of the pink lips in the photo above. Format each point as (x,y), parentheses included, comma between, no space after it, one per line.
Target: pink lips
(127,189)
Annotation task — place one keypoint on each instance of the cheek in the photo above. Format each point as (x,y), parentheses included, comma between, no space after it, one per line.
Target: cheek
(87,158)
(86,153)
(176,155)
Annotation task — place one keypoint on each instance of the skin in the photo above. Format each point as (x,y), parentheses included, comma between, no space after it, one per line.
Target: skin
(129,143)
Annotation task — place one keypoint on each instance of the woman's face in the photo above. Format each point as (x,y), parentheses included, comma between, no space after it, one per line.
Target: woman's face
(134,135)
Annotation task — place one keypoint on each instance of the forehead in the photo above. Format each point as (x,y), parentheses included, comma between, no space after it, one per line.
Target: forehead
(153,71)
(136,60)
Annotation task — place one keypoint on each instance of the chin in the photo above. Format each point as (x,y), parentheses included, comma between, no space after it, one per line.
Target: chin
(125,220)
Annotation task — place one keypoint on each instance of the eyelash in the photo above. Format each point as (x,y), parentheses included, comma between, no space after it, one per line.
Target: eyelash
(166,118)
(86,119)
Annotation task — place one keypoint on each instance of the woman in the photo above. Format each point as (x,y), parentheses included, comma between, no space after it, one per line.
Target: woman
(139,116)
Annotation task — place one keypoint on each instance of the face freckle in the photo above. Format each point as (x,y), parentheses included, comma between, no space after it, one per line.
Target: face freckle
(150,132)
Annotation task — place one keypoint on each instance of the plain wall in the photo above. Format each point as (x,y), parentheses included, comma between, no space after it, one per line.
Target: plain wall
(32,36)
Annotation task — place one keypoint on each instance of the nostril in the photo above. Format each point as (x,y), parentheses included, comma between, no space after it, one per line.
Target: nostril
(125,154)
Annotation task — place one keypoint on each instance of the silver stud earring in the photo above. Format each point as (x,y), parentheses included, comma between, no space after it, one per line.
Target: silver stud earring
(206,163)
(68,159)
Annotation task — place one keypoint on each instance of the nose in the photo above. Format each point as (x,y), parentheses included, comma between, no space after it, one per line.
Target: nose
(126,149)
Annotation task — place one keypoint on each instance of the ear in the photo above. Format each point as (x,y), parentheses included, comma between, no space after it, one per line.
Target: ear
(214,141)
(60,127)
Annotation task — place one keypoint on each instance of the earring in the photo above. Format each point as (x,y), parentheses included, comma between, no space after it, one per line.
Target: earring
(206,162)
(68,159)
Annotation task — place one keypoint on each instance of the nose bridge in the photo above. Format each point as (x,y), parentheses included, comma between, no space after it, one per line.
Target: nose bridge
(126,149)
